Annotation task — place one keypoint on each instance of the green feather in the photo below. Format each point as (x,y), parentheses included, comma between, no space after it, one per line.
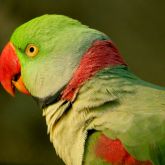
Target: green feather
(133,110)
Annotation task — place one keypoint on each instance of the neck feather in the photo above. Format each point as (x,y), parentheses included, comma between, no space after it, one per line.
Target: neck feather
(100,55)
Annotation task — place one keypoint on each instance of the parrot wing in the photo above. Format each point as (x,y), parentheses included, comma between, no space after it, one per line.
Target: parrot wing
(130,120)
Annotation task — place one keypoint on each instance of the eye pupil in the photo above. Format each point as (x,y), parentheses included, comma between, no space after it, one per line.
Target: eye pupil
(31,49)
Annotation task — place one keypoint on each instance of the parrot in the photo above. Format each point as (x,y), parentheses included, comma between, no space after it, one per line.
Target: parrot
(97,111)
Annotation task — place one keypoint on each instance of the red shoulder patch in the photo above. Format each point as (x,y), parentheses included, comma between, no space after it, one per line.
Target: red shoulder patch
(100,55)
(114,152)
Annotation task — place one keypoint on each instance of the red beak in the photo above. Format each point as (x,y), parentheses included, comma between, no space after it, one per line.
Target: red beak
(10,71)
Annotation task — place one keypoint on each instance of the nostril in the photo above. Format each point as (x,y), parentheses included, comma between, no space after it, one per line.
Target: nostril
(16,77)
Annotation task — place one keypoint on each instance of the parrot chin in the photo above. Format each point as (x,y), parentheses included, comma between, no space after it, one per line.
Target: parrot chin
(10,71)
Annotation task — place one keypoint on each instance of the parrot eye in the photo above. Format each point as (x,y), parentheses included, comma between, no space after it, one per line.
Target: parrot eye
(31,50)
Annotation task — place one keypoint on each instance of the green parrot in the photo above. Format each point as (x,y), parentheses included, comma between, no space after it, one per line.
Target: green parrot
(97,111)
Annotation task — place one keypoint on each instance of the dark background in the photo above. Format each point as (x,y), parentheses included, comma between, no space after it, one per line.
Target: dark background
(137,27)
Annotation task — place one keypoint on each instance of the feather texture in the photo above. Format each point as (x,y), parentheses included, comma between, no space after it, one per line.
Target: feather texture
(119,105)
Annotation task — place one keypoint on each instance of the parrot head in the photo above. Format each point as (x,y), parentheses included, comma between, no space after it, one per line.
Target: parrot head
(44,53)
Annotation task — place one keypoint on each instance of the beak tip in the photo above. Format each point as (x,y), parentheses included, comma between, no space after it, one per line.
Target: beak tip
(11,92)
(8,87)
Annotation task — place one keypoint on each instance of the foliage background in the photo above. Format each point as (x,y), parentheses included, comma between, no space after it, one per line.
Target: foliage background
(137,27)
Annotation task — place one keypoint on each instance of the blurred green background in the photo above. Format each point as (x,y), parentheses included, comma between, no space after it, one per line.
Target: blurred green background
(137,27)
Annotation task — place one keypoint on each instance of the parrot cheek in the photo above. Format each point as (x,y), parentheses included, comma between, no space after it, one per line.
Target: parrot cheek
(10,71)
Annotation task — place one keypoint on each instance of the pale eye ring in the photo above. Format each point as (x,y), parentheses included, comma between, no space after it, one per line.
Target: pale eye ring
(31,50)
